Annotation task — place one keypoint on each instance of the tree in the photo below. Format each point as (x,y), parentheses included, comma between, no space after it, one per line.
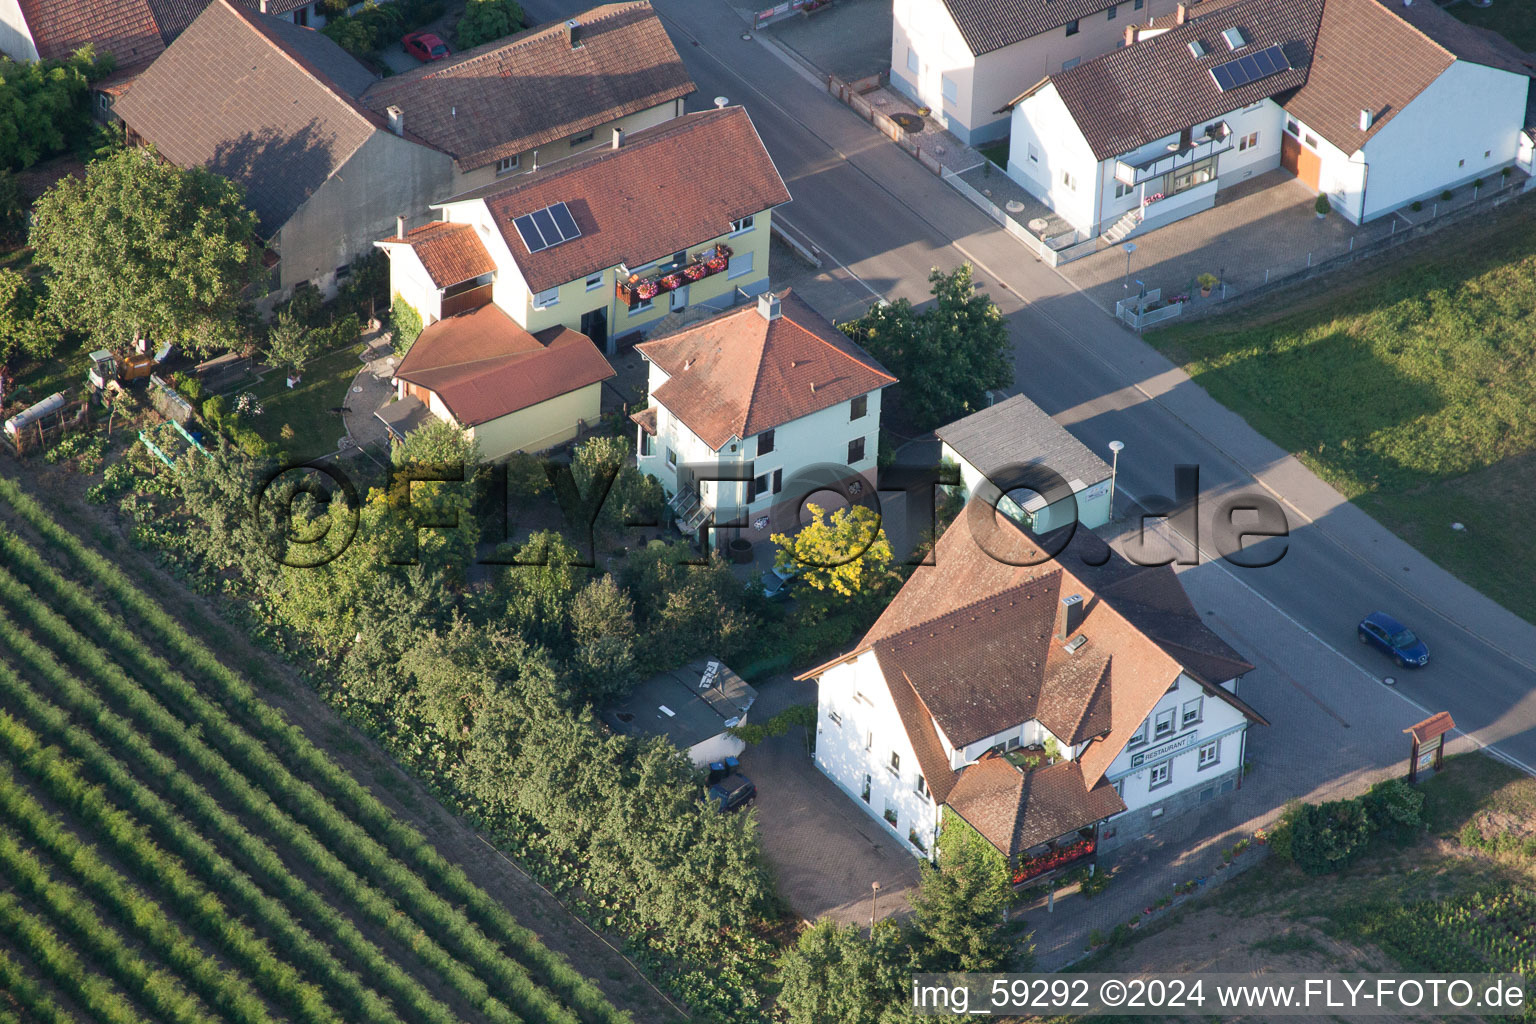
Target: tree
(603,632)
(632,496)
(290,343)
(21,332)
(141,248)
(45,106)
(834,975)
(947,356)
(847,555)
(958,907)
(485,20)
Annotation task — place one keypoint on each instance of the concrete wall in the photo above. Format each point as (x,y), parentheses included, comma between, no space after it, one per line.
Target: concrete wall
(561,149)
(357,206)
(541,426)
(15,37)
(857,730)
(716,748)
(982,85)
(1466,125)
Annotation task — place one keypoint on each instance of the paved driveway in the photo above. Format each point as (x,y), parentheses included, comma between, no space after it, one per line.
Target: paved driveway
(824,850)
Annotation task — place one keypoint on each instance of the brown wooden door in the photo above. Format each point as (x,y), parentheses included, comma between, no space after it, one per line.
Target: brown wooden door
(1299,160)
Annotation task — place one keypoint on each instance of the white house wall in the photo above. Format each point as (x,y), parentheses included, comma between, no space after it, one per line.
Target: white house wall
(15,37)
(1219,722)
(1440,139)
(716,748)
(409,279)
(862,742)
(1044,122)
(926,28)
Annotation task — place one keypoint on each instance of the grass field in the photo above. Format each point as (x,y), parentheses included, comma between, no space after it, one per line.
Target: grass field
(1409,389)
(175,850)
(1515,20)
(1433,905)
(313,429)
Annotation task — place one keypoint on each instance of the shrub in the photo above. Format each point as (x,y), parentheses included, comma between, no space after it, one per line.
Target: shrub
(407,325)
(1327,837)
(1396,809)
(1416,206)
(215,410)
(1208,281)
(1447,195)
(486,20)
(1321,205)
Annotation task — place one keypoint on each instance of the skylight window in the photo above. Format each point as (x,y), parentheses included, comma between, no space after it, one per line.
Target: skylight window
(547,227)
(1197,48)
(1234,38)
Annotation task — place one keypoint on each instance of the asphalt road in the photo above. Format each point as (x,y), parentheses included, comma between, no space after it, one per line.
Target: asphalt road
(887,221)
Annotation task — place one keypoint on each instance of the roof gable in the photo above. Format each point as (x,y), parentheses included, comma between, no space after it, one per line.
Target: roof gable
(451,253)
(669,187)
(255,99)
(511,96)
(1015,810)
(738,374)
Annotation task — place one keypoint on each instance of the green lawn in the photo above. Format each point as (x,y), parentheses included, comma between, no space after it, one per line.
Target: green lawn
(1515,20)
(306,409)
(1409,388)
(997,152)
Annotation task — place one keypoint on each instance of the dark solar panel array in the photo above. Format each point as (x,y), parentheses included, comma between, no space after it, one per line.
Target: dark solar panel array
(549,226)
(1240,72)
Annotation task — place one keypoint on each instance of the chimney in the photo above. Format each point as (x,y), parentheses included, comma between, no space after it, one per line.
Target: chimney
(618,138)
(1069,617)
(1131,32)
(1365,120)
(535,160)
(400,226)
(573,33)
(396,118)
(1181,14)
(263,6)
(768,306)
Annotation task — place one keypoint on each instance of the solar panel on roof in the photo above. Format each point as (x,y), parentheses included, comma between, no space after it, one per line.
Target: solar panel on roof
(549,226)
(1236,73)
(531,237)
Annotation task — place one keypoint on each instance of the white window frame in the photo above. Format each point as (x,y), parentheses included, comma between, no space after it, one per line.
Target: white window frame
(546,298)
(671,458)
(1213,749)
(1170,716)
(643,306)
(1160,775)
(920,786)
(894,764)
(913,65)
(741,227)
(1140,738)
(1187,717)
(1247,142)
(506,165)
(1122,190)
(1034,153)
(949,88)
(741,265)
(594,281)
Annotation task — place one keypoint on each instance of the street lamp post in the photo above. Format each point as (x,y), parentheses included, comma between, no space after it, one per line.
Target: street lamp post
(1115,448)
(874,901)
(1129,248)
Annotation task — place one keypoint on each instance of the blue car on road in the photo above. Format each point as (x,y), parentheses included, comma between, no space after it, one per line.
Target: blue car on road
(1382,631)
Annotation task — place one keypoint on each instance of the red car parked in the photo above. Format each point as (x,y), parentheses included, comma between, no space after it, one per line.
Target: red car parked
(424,46)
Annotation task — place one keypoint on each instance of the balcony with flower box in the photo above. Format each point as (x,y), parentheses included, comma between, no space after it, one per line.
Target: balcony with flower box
(1068,851)
(705,263)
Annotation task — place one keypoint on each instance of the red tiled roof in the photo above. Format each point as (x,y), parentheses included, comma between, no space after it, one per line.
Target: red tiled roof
(451,252)
(738,374)
(1015,810)
(1437,724)
(670,187)
(988,25)
(646,418)
(982,664)
(511,96)
(483,365)
(124,28)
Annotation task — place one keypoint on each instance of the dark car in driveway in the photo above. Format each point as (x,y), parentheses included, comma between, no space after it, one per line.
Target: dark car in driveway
(1391,637)
(732,792)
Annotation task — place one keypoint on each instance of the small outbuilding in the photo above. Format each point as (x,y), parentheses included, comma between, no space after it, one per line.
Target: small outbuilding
(692,706)
(1013,442)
